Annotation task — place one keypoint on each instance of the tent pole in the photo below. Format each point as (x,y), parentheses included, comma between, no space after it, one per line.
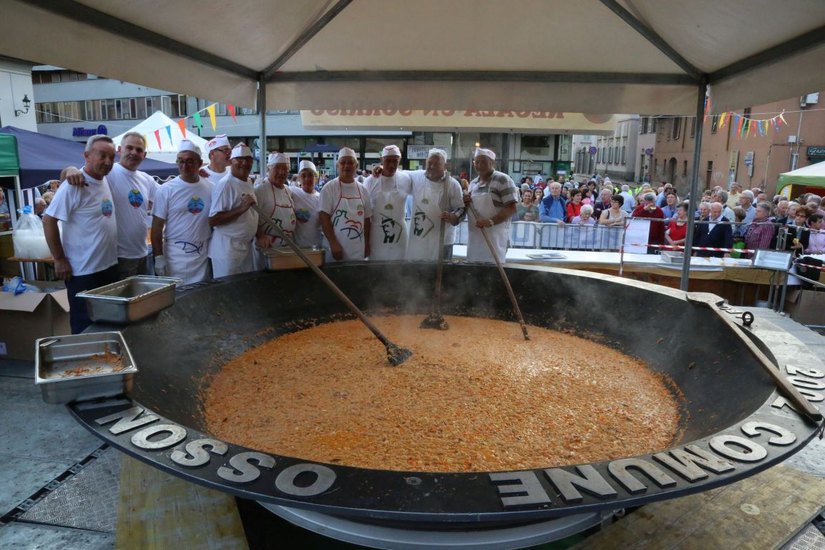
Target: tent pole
(694,182)
(262,152)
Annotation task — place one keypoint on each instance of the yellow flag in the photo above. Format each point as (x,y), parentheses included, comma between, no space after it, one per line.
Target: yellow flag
(211,111)
(722,120)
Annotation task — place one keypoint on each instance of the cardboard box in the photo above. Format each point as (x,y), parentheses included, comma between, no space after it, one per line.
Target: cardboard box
(806,306)
(26,317)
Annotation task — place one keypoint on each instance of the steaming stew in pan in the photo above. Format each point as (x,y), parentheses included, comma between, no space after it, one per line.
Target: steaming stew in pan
(476,397)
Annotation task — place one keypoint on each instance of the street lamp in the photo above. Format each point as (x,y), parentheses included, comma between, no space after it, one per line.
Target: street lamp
(26,104)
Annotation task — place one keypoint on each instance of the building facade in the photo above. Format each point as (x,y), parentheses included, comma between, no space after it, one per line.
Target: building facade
(792,135)
(17,106)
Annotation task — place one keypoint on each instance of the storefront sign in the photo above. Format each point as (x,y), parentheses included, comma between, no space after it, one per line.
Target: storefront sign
(816,151)
(88,132)
(420,152)
(394,119)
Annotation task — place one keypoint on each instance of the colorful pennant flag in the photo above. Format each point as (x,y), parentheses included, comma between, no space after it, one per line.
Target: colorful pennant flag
(231,109)
(197,118)
(211,111)
(157,137)
(182,126)
(169,133)
(722,118)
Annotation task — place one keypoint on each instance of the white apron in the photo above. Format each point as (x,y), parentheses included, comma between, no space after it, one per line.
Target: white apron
(187,260)
(283,215)
(348,218)
(388,231)
(477,249)
(425,224)
(230,256)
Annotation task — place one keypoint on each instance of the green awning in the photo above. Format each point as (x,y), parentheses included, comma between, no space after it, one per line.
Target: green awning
(9,163)
(809,176)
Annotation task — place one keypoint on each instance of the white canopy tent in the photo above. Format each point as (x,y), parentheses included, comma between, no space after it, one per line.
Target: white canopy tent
(164,145)
(591,56)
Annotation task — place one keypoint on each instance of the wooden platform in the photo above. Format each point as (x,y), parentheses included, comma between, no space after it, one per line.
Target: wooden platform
(158,511)
(761,512)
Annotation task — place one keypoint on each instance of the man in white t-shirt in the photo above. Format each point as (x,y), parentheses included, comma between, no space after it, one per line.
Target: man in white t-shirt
(307,203)
(180,220)
(218,150)
(274,197)
(388,196)
(85,249)
(345,212)
(233,220)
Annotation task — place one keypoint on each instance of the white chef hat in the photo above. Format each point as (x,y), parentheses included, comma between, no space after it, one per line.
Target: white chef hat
(347,152)
(187,145)
(391,151)
(307,165)
(240,150)
(218,141)
(484,153)
(276,158)
(437,152)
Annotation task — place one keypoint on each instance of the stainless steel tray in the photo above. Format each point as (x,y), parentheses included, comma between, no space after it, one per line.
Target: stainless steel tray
(81,367)
(131,299)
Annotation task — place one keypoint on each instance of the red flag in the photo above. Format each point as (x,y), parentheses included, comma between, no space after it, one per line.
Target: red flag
(157,137)
(231,109)
(182,126)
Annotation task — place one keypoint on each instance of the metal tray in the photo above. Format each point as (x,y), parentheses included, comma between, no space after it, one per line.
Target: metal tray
(81,367)
(285,258)
(131,299)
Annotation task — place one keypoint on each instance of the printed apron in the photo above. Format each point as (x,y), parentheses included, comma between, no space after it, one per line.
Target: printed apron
(388,231)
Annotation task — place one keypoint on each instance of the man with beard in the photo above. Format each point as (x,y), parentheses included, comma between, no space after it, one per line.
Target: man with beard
(232,218)
(180,220)
(275,200)
(345,212)
(493,194)
(85,248)
(219,151)
(388,193)
(437,197)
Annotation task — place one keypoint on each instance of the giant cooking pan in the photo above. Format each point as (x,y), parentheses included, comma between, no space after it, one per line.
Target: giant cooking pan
(735,422)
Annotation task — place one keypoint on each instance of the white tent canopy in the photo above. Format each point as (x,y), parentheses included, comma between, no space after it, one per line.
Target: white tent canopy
(164,145)
(595,56)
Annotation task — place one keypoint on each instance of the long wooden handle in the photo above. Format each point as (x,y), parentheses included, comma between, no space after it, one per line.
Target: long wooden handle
(504,278)
(327,281)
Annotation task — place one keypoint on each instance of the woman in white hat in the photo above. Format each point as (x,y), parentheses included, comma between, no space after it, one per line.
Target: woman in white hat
(388,195)
(307,202)
(345,212)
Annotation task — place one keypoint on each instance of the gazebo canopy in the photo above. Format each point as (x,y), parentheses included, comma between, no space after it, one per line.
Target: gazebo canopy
(593,56)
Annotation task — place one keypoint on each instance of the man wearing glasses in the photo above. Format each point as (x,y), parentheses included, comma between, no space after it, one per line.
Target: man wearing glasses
(219,151)
(180,220)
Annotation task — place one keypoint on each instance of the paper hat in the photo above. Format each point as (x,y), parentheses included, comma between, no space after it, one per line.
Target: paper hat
(276,158)
(437,152)
(347,152)
(217,141)
(484,153)
(240,150)
(391,151)
(186,145)
(307,165)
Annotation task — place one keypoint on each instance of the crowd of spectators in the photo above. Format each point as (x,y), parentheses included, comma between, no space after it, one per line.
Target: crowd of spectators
(726,220)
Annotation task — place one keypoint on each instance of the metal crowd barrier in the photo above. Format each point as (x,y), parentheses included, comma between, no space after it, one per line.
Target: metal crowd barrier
(554,236)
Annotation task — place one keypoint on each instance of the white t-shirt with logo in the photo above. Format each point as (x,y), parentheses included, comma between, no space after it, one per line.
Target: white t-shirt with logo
(308,229)
(89,231)
(226,195)
(216,176)
(185,207)
(132,192)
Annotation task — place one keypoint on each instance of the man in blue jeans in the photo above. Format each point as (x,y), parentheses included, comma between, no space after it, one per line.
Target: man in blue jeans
(85,250)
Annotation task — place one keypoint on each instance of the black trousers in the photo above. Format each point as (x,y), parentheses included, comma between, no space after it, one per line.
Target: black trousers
(78,313)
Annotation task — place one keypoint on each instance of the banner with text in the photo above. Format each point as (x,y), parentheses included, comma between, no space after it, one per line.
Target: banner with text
(516,121)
